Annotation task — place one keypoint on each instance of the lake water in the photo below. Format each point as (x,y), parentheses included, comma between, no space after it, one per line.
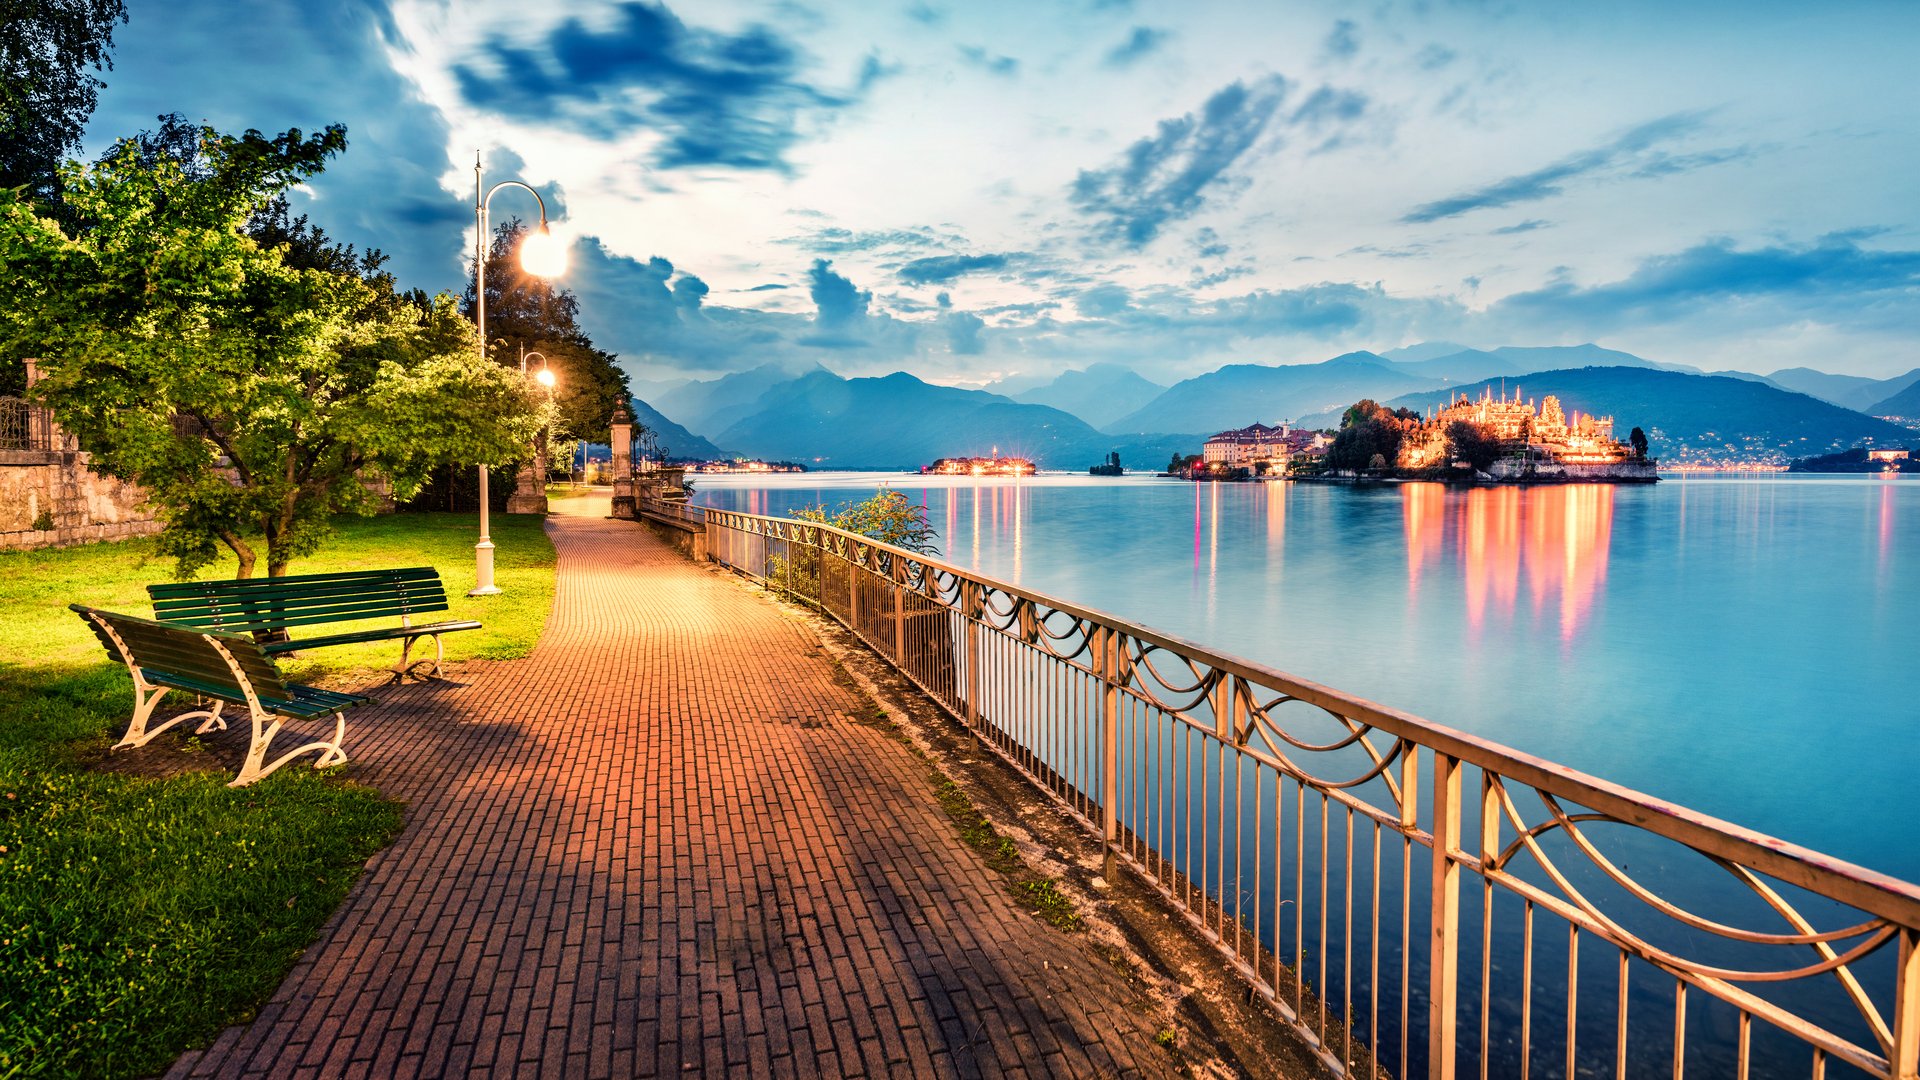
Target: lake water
(1744,646)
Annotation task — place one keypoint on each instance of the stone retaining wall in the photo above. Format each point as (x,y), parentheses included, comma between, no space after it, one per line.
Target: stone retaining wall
(54,487)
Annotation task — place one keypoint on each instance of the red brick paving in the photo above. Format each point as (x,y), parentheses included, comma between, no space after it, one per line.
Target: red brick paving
(658,847)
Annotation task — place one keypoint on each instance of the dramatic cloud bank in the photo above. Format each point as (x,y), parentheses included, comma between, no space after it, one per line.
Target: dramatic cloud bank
(973,191)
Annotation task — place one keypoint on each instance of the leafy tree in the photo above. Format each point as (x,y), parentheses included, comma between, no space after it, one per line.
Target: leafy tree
(49,50)
(525,311)
(1368,431)
(1472,443)
(889,517)
(1359,413)
(250,395)
(1638,440)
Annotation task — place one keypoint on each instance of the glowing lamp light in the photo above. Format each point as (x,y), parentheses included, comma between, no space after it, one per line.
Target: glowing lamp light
(544,377)
(543,254)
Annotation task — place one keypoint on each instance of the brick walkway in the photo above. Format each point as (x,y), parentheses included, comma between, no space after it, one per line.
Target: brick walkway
(659,847)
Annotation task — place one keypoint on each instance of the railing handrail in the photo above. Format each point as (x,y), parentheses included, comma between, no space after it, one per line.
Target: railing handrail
(1869,890)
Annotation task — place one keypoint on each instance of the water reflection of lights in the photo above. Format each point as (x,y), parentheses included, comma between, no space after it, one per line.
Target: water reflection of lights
(1196,533)
(1422,506)
(1213,550)
(1886,524)
(1559,536)
(975,496)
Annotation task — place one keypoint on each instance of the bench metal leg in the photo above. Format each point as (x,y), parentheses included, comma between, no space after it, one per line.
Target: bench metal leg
(145,698)
(403,669)
(256,765)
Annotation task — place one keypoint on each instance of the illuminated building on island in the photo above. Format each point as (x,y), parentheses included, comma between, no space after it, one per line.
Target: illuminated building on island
(979,466)
(1545,434)
(1259,445)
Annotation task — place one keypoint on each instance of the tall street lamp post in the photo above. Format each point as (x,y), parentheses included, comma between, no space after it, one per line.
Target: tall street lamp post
(540,254)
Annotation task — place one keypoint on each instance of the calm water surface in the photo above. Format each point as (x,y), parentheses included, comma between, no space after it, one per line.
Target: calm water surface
(1743,646)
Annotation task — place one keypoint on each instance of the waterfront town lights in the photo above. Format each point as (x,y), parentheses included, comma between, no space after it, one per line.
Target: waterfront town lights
(542,255)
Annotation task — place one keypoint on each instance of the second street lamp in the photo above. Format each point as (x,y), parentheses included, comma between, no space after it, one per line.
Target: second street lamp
(541,254)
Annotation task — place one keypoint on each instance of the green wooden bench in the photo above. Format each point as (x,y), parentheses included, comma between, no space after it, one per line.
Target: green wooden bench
(275,605)
(229,669)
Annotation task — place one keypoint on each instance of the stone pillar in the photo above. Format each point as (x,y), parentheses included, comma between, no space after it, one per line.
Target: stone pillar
(530,487)
(622,439)
(42,432)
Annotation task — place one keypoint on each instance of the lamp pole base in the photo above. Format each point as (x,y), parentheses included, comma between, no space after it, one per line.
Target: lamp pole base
(483,561)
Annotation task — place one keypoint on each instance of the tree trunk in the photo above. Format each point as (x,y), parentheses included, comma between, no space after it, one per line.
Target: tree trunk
(242,553)
(276,567)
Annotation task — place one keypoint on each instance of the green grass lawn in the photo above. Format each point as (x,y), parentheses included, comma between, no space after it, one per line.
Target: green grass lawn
(140,916)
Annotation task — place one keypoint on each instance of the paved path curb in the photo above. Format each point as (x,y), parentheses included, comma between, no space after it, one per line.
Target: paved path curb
(658,846)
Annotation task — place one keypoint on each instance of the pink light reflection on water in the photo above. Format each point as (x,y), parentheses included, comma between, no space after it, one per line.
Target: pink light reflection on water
(1554,539)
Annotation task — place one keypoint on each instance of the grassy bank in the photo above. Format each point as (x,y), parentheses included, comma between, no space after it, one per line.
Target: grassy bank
(140,916)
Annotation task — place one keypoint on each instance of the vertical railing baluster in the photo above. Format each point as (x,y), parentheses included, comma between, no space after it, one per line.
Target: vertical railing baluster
(1573,992)
(1489,855)
(1679,1030)
(1620,1023)
(1904,1058)
(1106,654)
(899,613)
(1526,991)
(1443,952)
(972,597)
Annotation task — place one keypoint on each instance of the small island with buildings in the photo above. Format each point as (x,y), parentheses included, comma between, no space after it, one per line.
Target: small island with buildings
(1487,440)
(979,466)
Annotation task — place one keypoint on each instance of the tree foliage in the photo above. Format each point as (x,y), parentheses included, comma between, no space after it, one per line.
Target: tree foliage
(889,517)
(1472,443)
(252,389)
(525,311)
(49,50)
(1638,440)
(1369,437)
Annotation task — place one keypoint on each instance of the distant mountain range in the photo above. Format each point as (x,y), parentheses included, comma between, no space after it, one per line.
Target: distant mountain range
(1847,391)
(900,422)
(712,405)
(1905,403)
(1685,416)
(677,441)
(811,414)
(1241,394)
(1099,395)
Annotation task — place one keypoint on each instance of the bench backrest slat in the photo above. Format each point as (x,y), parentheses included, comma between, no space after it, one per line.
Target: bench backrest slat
(301,600)
(185,651)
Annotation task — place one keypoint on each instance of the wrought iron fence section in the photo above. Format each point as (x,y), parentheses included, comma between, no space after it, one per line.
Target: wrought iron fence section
(25,425)
(1328,846)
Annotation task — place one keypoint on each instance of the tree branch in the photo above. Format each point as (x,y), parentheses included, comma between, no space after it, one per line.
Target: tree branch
(213,435)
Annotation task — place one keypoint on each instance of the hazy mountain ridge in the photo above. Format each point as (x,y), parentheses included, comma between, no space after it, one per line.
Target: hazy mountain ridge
(899,422)
(1684,415)
(1847,391)
(712,405)
(678,441)
(1099,394)
(1241,394)
(1904,403)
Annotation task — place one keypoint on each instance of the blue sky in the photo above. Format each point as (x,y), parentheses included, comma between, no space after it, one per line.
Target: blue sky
(975,190)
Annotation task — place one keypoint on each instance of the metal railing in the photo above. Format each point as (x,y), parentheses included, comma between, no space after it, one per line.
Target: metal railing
(1412,898)
(673,508)
(25,425)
